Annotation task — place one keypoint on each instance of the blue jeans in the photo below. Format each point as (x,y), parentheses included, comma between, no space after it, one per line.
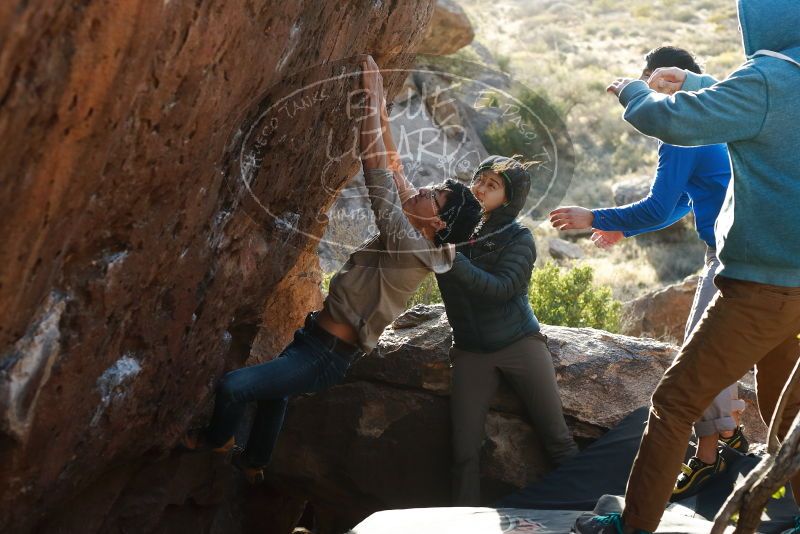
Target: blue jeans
(305,366)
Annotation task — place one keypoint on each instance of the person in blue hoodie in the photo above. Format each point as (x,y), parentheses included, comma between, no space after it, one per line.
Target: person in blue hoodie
(755,319)
(687,179)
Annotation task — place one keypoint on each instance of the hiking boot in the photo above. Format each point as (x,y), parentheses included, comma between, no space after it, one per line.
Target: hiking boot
(694,475)
(737,441)
(602,524)
(252,473)
(196,440)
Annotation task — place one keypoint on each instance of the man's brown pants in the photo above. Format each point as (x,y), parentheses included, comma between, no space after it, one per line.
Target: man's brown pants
(747,324)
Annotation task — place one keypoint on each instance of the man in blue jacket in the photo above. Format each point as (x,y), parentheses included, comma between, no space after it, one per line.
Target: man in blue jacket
(755,320)
(687,179)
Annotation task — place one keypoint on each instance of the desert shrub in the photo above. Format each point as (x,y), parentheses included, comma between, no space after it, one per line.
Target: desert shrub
(685,14)
(507,138)
(427,293)
(725,62)
(642,11)
(503,62)
(570,298)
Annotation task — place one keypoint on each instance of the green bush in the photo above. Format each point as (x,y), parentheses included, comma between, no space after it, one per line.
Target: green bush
(427,293)
(569,298)
(509,137)
(503,62)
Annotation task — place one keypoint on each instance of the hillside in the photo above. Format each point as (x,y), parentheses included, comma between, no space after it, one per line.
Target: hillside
(568,52)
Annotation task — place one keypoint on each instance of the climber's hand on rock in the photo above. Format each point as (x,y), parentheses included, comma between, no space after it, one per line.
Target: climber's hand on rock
(618,85)
(371,79)
(667,80)
(571,218)
(371,85)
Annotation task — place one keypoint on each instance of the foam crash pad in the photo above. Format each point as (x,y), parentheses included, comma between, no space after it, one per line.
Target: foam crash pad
(467,521)
(589,483)
(603,468)
(507,521)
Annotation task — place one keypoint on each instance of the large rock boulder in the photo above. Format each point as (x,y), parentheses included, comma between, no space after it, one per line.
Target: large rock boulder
(561,249)
(450,30)
(661,314)
(630,191)
(155,203)
(590,364)
(754,427)
(382,440)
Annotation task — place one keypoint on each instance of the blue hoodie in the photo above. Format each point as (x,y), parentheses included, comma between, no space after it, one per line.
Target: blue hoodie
(756,111)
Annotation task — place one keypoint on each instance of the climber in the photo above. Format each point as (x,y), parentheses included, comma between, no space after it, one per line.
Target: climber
(755,318)
(687,179)
(417,233)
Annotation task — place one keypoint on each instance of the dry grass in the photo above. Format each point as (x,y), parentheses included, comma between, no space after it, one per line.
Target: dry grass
(569,52)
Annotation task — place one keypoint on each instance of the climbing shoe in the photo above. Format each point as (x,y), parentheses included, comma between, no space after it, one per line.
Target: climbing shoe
(694,475)
(601,524)
(253,474)
(737,441)
(197,441)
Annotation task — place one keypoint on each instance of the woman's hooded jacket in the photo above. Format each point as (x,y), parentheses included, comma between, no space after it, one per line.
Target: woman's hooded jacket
(486,292)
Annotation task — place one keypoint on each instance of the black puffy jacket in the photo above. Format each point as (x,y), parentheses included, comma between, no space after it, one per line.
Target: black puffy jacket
(486,292)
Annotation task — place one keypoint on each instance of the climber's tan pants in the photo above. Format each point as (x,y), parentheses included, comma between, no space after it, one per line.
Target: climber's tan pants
(747,324)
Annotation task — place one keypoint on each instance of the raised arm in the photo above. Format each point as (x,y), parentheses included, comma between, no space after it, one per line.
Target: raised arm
(729,111)
(692,81)
(373,151)
(670,80)
(404,188)
(396,232)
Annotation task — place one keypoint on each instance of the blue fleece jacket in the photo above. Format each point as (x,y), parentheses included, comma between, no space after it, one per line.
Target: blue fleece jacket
(756,111)
(687,179)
